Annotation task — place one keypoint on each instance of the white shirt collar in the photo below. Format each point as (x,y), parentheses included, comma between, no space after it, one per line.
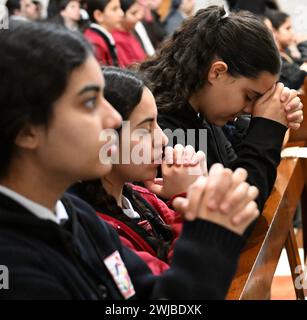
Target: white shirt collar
(37,209)
(128,209)
(141,31)
(105,31)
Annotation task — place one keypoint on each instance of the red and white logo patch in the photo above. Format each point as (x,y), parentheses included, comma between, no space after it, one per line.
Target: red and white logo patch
(120,275)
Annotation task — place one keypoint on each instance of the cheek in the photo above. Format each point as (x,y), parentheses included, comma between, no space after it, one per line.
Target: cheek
(284,36)
(225,105)
(131,20)
(234,99)
(76,149)
(221,102)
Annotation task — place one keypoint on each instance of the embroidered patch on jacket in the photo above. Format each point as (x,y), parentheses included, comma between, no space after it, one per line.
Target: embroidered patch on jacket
(120,275)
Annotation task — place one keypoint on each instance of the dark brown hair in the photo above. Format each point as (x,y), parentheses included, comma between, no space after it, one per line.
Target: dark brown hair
(181,66)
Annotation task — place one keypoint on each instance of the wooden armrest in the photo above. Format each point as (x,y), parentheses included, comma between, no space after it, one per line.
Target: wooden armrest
(260,256)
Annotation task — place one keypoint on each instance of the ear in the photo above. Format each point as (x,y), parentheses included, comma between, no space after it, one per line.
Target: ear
(98,16)
(217,70)
(28,137)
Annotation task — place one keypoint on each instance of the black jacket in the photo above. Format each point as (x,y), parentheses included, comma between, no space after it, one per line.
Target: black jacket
(50,261)
(291,75)
(258,152)
(155,29)
(302,47)
(255,6)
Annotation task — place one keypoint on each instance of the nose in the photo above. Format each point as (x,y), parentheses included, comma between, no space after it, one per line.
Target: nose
(111,118)
(248,108)
(164,138)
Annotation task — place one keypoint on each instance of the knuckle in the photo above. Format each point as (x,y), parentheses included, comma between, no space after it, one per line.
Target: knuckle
(201,154)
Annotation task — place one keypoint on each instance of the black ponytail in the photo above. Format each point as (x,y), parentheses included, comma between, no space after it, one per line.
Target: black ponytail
(95,194)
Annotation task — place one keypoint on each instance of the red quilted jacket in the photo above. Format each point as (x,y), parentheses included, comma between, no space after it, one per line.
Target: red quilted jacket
(135,242)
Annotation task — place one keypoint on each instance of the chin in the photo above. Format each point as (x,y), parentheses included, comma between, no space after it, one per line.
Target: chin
(101,172)
(106,169)
(219,123)
(143,175)
(151,173)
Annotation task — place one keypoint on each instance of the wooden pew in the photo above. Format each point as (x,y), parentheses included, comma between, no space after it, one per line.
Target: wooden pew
(273,232)
(301,135)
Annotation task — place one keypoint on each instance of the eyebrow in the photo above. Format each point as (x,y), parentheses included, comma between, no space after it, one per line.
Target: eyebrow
(146,120)
(89,88)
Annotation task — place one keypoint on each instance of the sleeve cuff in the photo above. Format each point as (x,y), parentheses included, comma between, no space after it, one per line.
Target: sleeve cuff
(210,234)
(266,130)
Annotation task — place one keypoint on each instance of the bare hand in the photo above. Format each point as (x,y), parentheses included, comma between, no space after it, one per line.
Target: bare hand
(223,198)
(282,105)
(181,166)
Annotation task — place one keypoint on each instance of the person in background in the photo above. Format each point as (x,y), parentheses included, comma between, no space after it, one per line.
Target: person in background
(152,23)
(129,49)
(25,10)
(257,7)
(140,31)
(105,16)
(180,10)
(68,14)
(294,70)
(39,7)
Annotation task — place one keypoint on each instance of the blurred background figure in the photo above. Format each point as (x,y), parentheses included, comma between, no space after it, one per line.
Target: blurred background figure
(180,10)
(66,13)
(26,10)
(129,48)
(255,6)
(152,22)
(39,8)
(140,31)
(105,16)
(294,66)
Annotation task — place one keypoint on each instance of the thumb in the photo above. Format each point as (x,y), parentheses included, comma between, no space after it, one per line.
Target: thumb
(180,204)
(285,95)
(279,89)
(267,95)
(154,186)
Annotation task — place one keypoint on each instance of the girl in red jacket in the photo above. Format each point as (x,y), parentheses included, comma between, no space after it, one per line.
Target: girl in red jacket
(129,49)
(145,223)
(106,15)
